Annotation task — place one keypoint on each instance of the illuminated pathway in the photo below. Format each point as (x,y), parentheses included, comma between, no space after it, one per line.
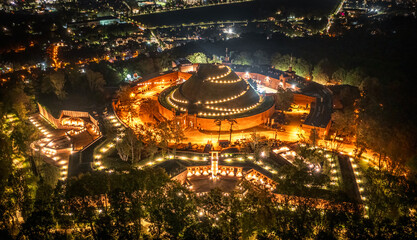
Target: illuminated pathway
(45,145)
(109,144)
(342,166)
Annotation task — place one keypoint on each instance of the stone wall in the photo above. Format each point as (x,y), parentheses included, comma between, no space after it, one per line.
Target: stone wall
(242,123)
(322,132)
(166,79)
(303,100)
(266,80)
(208,124)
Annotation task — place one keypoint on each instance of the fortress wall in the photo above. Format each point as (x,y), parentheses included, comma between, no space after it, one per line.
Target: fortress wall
(266,80)
(188,68)
(209,125)
(303,100)
(322,132)
(168,79)
(242,123)
(166,113)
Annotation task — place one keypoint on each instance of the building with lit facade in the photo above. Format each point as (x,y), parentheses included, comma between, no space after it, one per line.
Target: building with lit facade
(201,96)
(61,138)
(217,173)
(215,92)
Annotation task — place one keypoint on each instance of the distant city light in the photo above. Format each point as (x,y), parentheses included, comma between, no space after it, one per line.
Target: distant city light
(229,30)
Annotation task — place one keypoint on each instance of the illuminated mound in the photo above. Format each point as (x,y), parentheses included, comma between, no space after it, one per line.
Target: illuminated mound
(214,90)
